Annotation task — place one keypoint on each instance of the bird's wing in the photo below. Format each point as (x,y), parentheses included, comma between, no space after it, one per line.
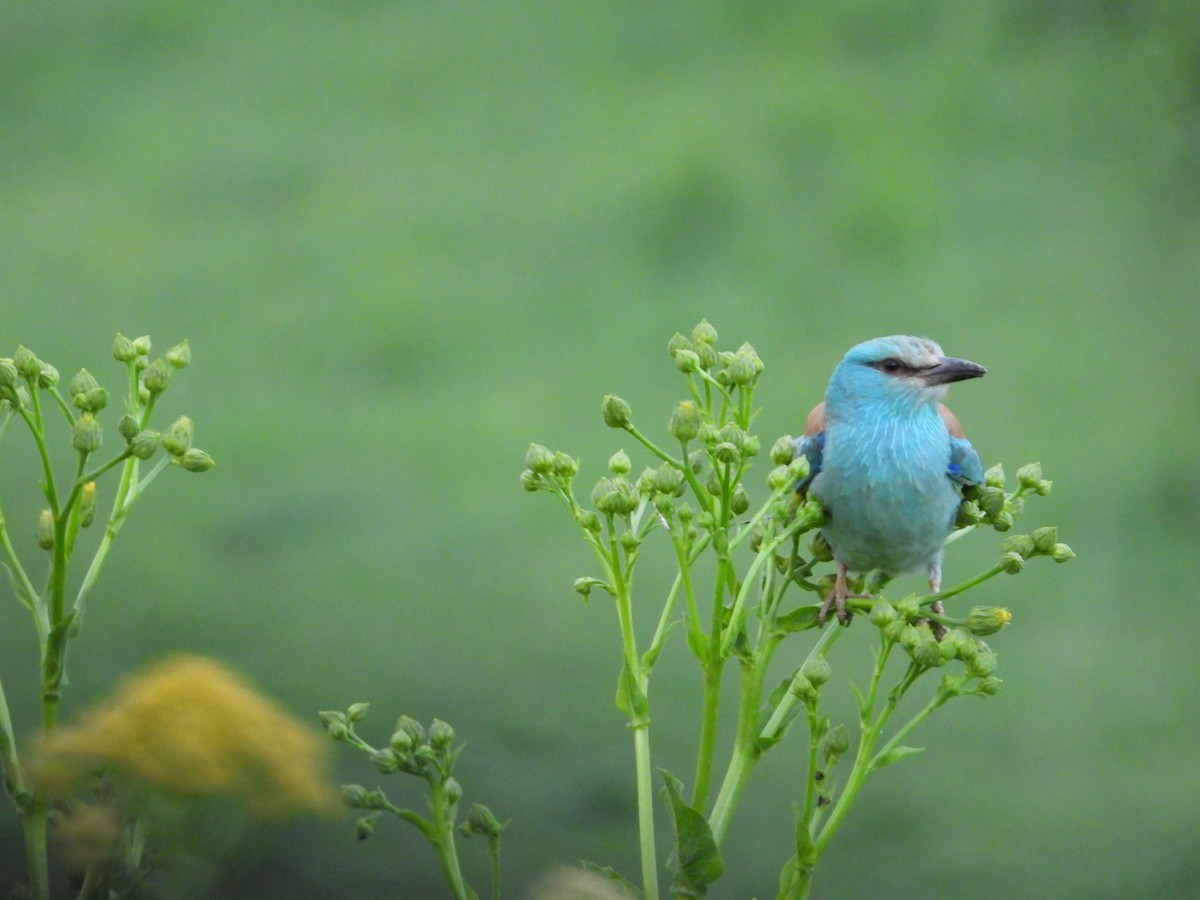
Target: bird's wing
(812,445)
(965,467)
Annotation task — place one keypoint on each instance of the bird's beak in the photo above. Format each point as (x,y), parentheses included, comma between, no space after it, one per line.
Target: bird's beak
(949,369)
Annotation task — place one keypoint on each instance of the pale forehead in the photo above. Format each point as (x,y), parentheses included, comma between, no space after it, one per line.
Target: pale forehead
(902,346)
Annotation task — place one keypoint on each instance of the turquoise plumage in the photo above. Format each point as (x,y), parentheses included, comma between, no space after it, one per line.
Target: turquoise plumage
(888,461)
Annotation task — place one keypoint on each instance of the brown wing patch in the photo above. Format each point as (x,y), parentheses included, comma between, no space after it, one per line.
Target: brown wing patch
(815,423)
(951,420)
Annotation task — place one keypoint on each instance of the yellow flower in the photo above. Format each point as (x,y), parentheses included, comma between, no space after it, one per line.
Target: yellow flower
(189,726)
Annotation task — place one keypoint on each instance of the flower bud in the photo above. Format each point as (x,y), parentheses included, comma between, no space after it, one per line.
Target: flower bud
(928,653)
(441,735)
(539,459)
(180,355)
(334,722)
(991,501)
(727,453)
(985,620)
(86,436)
(741,370)
(93,401)
(530,480)
(414,728)
(128,427)
(968,514)
(750,445)
(45,530)
(835,743)
(8,373)
(385,760)
(817,670)
(983,664)
(1062,552)
(802,687)
(177,439)
(1043,487)
(783,451)
(668,480)
(481,820)
(819,548)
(1020,544)
(1029,476)
(1003,521)
(47,377)
(707,355)
(687,361)
(358,711)
(453,791)
(910,637)
(748,351)
(123,349)
(1044,540)
(195,460)
(989,685)
(156,378)
(799,467)
(645,482)
(704,333)
(87,505)
(619,463)
(565,466)
(355,796)
(589,521)
(696,460)
(401,742)
(883,613)
(740,501)
(909,608)
(894,630)
(1012,562)
(994,477)
(616,411)
(142,345)
(779,478)
(678,342)
(685,422)
(28,365)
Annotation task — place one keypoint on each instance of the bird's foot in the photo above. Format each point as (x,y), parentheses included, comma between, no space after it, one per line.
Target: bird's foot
(837,600)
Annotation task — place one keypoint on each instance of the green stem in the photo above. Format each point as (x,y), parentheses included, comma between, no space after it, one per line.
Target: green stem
(713,672)
(446,848)
(641,747)
(965,586)
(35,851)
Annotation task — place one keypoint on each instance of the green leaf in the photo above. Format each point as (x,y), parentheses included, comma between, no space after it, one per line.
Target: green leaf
(630,699)
(894,755)
(800,619)
(861,700)
(695,860)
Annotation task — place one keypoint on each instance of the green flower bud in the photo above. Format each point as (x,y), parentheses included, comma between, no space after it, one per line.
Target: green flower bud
(909,608)
(802,687)
(664,505)
(686,513)
(414,728)
(708,434)
(835,743)
(968,514)
(799,467)
(967,646)
(740,501)
(619,463)
(1062,552)
(1013,563)
(704,333)
(128,427)
(157,377)
(332,717)
(616,411)
(817,670)
(142,345)
(991,501)
(779,478)
(357,711)
(750,445)
(741,370)
(28,365)
(480,820)
(730,433)
(819,548)
(87,505)
(401,742)
(883,613)
(364,827)
(994,477)
(123,349)
(453,791)
(539,459)
(1044,540)
(180,355)
(1003,521)
(47,377)
(894,630)
(441,735)
(748,351)
(696,460)
(1020,544)
(93,401)
(928,653)
(196,460)
(645,482)
(177,439)
(1029,476)
(530,480)
(1043,487)
(707,355)
(589,521)
(687,361)
(86,436)
(783,451)
(668,480)
(678,342)
(910,637)
(982,665)
(354,795)
(45,530)
(385,760)
(810,514)
(8,373)
(565,466)
(685,422)
(989,685)
(985,620)
(727,453)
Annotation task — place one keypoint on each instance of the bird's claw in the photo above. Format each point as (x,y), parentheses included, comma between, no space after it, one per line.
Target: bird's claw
(837,600)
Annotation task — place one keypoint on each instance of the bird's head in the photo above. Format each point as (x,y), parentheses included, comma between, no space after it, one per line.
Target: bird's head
(901,371)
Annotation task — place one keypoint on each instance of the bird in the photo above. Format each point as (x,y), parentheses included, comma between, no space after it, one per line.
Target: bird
(888,462)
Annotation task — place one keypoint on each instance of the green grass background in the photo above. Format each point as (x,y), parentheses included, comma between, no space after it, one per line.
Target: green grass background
(405,239)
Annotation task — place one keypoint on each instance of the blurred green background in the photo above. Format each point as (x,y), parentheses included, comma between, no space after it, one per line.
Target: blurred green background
(405,239)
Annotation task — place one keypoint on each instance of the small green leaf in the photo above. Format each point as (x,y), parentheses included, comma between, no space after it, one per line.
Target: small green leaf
(695,860)
(894,755)
(861,700)
(800,619)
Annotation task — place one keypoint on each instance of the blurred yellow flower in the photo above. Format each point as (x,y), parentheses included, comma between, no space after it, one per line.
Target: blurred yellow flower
(189,726)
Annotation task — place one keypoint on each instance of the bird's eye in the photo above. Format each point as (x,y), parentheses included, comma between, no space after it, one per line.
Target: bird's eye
(890,365)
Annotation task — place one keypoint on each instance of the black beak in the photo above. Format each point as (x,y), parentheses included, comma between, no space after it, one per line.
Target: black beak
(949,370)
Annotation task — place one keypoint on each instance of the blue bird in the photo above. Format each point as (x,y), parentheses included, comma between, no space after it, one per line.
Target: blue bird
(888,461)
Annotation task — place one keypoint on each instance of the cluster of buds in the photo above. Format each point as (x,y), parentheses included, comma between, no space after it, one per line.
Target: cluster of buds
(904,624)
(990,504)
(1043,542)
(733,368)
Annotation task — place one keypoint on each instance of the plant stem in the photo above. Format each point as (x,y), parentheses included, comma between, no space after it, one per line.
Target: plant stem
(446,848)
